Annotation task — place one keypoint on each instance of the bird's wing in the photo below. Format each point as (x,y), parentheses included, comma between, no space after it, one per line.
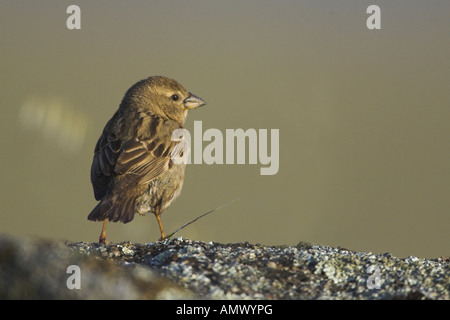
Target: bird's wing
(141,161)
(106,153)
(122,165)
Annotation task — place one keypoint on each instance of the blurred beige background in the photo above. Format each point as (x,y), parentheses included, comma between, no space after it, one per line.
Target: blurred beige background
(363,117)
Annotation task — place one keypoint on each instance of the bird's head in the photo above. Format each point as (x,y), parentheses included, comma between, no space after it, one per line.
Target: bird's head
(163,97)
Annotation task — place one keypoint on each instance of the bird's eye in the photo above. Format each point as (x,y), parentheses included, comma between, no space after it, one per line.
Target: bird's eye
(174,97)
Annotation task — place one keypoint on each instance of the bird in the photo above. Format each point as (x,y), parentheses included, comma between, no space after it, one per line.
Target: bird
(135,169)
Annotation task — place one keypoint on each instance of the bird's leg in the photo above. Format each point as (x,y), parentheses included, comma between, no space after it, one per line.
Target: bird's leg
(158,217)
(102,238)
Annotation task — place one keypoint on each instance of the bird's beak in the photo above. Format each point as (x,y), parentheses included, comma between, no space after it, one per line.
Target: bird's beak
(193,101)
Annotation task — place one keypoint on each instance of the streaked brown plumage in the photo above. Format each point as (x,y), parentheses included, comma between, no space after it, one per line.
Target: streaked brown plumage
(132,170)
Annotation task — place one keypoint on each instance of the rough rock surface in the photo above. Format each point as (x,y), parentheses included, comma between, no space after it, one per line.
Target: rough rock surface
(184,269)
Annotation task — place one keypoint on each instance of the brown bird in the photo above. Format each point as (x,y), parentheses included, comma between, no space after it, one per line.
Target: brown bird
(134,170)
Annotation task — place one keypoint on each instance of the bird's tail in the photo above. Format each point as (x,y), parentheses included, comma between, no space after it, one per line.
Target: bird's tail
(115,207)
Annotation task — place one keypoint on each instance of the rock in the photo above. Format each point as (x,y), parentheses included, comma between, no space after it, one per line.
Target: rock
(38,269)
(185,269)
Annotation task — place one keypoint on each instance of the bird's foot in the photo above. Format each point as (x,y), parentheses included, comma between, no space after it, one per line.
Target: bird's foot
(102,240)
